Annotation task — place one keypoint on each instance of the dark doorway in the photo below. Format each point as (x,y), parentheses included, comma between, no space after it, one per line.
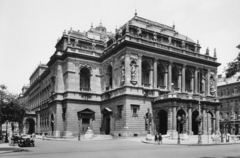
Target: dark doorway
(107,125)
(31,124)
(194,122)
(162,115)
(52,123)
(180,124)
(85,124)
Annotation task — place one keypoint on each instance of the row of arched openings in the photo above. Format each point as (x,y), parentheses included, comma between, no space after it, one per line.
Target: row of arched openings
(162,122)
(176,75)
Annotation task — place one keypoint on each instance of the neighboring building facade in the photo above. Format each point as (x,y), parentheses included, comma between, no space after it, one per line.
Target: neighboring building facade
(108,81)
(229,96)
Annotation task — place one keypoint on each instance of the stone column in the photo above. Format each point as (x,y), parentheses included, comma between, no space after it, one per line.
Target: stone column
(165,80)
(155,73)
(204,121)
(174,119)
(207,83)
(183,78)
(139,70)
(170,121)
(196,80)
(190,121)
(217,121)
(151,77)
(215,83)
(179,82)
(170,76)
(127,68)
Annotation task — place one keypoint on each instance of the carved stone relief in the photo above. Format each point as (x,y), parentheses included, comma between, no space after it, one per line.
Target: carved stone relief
(133,66)
(87,65)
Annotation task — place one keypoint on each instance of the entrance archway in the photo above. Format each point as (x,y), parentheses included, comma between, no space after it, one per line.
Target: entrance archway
(180,125)
(194,122)
(30,126)
(162,115)
(106,122)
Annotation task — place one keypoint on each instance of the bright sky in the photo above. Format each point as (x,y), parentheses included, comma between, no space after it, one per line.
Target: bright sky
(29,29)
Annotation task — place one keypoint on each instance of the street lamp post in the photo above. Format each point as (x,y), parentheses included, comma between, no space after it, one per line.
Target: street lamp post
(179,121)
(199,120)
(79,134)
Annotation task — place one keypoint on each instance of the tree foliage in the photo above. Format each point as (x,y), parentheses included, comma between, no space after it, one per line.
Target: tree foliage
(233,67)
(11,108)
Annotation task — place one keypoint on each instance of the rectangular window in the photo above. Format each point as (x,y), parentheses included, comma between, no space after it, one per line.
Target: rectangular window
(120,108)
(135,109)
(235,90)
(221,93)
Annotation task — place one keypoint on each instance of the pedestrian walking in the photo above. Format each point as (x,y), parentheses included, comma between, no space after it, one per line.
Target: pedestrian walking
(160,138)
(157,138)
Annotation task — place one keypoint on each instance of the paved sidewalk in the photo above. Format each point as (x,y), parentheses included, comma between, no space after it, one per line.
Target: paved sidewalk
(192,141)
(6,148)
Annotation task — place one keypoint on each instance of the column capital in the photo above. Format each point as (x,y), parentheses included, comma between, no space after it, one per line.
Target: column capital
(139,56)
(127,53)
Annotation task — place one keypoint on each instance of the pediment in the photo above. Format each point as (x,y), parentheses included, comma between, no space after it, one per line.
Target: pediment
(86,111)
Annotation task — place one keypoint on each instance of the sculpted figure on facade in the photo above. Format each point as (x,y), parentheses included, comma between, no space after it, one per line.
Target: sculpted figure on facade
(148,121)
(169,40)
(133,66)
(183,44)
(139,32)
(155,36)
(212,83)
(195,48)
(120,33)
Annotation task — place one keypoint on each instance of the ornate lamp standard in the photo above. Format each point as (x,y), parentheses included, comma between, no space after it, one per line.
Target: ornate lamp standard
(199,120)
(79,126)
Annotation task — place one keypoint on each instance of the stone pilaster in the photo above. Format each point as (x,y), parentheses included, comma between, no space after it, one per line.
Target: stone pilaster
(196,81)
(139,70)
(217,121)
(155,73)
(170,76)
(183,78)
(179,82)
(204,121)
(151,77)
(127,69)
(174,119)
(58,85)
(165,80)
(170,120)
(207,84)
(190,132)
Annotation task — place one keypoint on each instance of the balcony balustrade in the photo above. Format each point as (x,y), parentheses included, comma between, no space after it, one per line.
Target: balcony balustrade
(86,89)
(146,85)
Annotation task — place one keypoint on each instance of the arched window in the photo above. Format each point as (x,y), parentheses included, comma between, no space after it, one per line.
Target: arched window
(188,81)
(85,79)
(109,77)
(146,74)
(175,78)
(160,76)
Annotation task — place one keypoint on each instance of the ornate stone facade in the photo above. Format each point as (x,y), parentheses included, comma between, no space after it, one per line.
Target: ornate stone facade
(109,84)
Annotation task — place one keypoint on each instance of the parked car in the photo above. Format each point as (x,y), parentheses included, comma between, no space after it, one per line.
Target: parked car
(25,141)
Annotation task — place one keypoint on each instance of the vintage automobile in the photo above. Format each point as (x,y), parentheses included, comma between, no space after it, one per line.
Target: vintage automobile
(25,141)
